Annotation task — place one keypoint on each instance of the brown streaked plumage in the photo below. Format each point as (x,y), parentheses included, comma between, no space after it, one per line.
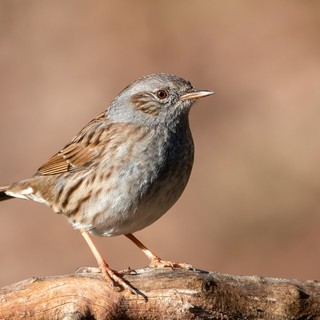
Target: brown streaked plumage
(125,168)
(141,101)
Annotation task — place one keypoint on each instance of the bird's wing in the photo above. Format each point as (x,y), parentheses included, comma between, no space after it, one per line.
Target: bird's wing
(80,152)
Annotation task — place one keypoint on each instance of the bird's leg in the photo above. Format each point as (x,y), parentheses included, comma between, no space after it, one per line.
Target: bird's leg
(156,261)
(104,267)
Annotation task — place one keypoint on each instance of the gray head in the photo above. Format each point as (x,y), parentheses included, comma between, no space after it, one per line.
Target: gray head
(157,99)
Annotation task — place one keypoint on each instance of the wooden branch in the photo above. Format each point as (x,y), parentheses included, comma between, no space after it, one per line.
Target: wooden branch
(165,294)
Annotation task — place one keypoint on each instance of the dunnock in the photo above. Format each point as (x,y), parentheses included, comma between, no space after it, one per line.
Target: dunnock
(125,168)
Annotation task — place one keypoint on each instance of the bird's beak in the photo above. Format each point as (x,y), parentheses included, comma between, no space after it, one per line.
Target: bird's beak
(196,94)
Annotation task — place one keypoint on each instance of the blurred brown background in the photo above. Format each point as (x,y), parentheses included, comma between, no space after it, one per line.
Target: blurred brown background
(252,205)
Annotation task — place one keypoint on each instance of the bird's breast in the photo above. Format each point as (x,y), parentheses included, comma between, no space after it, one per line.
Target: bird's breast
(147,186)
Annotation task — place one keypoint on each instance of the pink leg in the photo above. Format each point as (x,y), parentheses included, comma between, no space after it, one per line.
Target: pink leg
(105,269)
(156,261)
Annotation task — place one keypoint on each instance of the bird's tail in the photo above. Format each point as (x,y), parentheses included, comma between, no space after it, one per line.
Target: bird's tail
(3,195)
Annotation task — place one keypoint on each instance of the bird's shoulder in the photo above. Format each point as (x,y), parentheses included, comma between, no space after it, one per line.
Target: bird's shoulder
(81,150)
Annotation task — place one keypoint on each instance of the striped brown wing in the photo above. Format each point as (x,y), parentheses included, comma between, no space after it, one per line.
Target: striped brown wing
(71,157)
(80,152)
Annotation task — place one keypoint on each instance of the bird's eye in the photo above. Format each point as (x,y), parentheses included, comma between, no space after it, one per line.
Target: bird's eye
(162,94)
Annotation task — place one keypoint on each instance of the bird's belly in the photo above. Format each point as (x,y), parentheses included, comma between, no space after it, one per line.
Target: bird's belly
(121,211)
(135,203)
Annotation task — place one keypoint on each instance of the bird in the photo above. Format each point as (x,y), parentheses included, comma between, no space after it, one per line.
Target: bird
(125,169)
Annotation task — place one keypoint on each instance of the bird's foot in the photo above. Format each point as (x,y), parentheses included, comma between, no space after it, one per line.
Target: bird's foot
(110,275)
(115,278)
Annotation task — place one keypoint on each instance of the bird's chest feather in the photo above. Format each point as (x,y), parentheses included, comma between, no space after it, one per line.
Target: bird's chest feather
(150,171)
(146,188)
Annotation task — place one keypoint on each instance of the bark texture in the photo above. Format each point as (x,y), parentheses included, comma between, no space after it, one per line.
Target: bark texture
(165,294)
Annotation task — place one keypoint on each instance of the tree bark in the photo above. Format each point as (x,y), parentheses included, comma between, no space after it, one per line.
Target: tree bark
(164,294)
